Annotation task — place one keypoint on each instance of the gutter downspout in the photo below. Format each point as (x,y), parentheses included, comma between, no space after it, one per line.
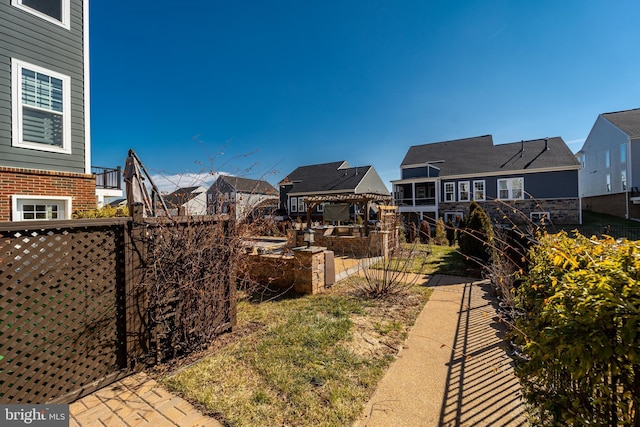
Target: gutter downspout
(629,181)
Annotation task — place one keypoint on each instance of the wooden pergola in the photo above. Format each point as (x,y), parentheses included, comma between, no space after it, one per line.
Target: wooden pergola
(361,199)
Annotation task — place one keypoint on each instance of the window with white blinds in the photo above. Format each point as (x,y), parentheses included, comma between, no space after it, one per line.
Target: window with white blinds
(41,118)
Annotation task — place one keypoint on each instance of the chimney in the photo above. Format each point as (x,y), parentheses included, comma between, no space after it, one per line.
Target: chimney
(522,148)
(546,144)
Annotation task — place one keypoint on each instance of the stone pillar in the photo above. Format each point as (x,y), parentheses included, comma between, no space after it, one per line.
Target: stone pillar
(309,269)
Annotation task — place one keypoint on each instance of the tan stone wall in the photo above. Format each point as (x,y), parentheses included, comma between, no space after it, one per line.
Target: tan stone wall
(562,211)
(378,243)
(303,272)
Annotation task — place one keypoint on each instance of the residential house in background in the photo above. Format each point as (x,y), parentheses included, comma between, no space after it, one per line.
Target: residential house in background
(241,197)
(187,201)
(45,149)
(537,178)
(609,156)
(332,192)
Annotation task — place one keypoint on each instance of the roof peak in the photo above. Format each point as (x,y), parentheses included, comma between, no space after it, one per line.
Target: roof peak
(621,111)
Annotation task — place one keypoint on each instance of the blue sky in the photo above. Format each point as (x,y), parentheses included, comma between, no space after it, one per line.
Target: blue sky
(258,88)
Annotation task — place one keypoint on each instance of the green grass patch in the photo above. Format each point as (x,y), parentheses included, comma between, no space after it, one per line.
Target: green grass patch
(595,219)
(427,259)
(304,367)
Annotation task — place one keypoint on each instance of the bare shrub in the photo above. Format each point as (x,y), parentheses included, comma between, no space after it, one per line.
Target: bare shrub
(193,268)
(394,272)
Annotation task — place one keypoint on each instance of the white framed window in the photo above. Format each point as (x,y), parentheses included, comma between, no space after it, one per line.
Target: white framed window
(55,11)
(38,208)
(455,217)
(608,178)
(511,188)
(463,191)
(607,159)
(478,190)
(623,179)
(301,206)
(321,207)
(293,204)
(41,101)
(449,192)
(540,217)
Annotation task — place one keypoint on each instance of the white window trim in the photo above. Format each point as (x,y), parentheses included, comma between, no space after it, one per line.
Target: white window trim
(484,190)
(452,215)
(320,208)
(302,207)
(452,186)
(460,198)
(537,216)
(293,204)
(66,13)
(16,107)
(19,199)
(509,182)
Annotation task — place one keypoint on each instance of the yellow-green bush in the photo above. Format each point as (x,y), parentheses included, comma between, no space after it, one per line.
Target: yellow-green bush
(581,333)
(104,212)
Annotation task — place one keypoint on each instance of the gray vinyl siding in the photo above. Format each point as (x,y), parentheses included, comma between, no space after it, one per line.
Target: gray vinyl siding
(541,185)
(420,172)
(34,40)
(372,183)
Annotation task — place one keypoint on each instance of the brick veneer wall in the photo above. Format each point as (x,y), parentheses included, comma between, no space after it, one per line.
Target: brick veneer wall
(562,211)
(80,187)
(612,204)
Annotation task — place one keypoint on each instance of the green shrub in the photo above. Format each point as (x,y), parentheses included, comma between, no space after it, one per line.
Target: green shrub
(476,235)
(441,234)
(104,212)
(580,335)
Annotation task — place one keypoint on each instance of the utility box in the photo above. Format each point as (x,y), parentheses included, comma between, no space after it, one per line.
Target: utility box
(329,269)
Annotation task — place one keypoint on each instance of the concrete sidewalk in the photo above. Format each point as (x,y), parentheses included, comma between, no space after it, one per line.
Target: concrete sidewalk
(453,370)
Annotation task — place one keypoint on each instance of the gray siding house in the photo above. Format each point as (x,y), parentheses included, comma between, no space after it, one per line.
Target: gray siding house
(610,155)
(516,182)
(187,201)
(306,191)
(241,197)
(45,150)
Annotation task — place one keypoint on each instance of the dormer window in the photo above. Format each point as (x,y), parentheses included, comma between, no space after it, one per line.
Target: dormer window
(55,11)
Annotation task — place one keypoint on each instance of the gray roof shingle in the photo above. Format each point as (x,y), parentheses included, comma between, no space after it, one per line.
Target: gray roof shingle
(628,121)
(250,186)
(180,196)
(336,177)
(479,155)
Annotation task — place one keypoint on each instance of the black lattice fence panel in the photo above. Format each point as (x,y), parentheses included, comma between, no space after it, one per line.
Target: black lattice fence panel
(61,317)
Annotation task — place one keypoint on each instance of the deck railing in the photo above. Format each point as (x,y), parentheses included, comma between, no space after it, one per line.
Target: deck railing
(107,178)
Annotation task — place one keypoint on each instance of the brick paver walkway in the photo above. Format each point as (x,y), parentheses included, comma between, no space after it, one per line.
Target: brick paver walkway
(135,401)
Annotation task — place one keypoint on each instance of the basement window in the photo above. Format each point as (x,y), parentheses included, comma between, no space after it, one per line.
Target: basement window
(40,208)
